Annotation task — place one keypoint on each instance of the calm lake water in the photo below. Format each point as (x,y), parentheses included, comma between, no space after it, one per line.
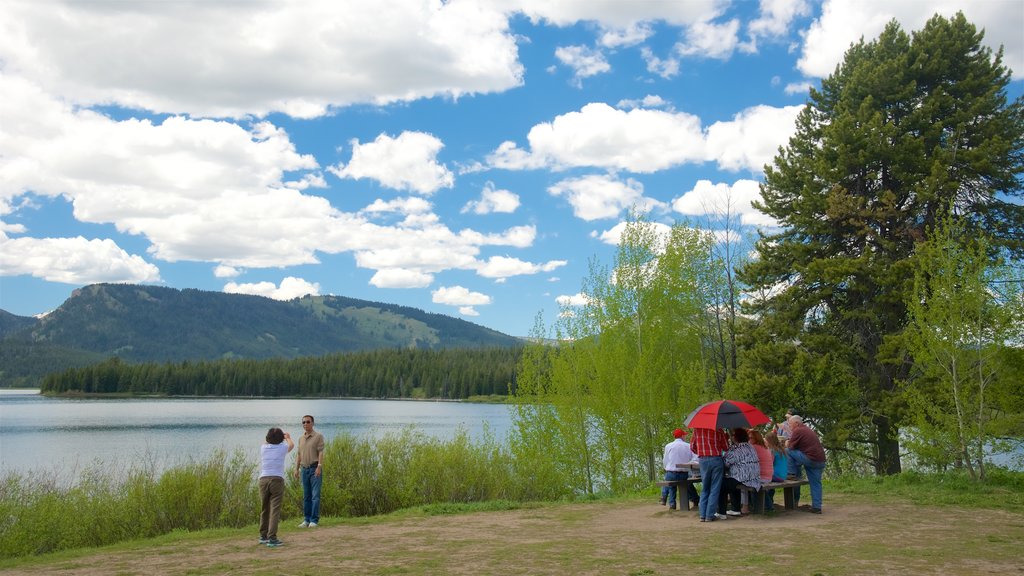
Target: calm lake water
(66,435)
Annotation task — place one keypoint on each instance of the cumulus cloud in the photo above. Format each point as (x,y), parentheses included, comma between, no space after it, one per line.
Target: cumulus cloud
(601,196)
(613,235)
(401,278)
(291,287)
(305,58)
(664,67)
(461,297)
(752,138)
(707,198)
(775,20)
(843,22)
(710,40)
(649,101)
(73,260)
(408,162)
(578,299)
(501,267)
(601,136)
(493,200)
(584,61)
(222,271)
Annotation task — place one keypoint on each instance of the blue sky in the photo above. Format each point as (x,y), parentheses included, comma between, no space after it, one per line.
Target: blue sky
(467,158)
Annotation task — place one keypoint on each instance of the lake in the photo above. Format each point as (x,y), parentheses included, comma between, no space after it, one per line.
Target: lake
(63,435)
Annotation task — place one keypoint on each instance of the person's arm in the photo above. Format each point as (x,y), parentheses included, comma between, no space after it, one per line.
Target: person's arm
(320,455)
(288,439)
(298,462)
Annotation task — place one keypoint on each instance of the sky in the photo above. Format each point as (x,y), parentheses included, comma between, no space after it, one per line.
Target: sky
(468,157)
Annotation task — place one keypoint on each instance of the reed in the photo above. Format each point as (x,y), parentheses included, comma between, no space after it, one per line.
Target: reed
(363,477)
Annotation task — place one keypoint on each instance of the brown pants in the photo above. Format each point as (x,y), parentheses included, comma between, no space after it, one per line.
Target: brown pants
(271,495)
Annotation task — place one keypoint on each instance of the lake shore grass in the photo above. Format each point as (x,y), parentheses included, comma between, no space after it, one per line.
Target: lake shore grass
(921,528)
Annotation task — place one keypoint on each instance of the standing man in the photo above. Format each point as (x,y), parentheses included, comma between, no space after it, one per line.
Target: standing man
(310,465)
(805,451)
(677,455)
(709,445)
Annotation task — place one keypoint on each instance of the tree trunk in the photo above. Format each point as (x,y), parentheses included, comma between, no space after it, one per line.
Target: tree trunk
(888,462)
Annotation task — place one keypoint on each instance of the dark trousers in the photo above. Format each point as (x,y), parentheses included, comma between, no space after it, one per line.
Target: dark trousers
(271,495)
(730,490)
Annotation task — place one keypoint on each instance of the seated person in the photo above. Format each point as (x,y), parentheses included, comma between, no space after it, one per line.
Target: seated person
(779,466)
(743,467)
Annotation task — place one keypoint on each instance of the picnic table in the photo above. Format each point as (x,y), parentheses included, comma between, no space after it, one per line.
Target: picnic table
(755,497)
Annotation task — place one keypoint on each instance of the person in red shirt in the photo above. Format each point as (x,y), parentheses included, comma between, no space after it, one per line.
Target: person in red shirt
(709,445)
(806,451)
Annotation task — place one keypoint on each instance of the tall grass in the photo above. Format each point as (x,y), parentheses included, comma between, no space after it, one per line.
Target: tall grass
(362,476)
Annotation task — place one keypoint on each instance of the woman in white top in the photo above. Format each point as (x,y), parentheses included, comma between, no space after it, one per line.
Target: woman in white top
(272,455)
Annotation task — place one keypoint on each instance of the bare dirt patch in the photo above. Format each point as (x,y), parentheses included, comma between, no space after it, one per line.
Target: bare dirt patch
(615,537)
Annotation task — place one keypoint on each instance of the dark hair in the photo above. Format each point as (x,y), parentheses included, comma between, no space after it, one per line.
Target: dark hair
(275,436)
(740,435)
(311,419)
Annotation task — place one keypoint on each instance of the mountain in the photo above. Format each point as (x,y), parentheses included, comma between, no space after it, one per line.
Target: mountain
(151,323)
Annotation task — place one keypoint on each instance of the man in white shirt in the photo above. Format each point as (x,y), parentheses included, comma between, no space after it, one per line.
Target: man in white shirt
(676,461)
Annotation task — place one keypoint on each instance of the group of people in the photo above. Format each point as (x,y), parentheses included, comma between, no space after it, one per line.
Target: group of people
(308,467)
(751,458)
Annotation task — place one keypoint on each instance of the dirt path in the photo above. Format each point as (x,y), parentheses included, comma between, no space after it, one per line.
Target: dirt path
(633,537)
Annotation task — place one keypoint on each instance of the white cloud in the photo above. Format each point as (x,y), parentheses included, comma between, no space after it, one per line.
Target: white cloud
(664,67)
(503,267)
(601,136)
(73,260)
(459,296)
(616,14)
(707,198)
(408,162)
(649,101)
(468,311)
(798,88)
(710,40)
(601,196)
(775,19)
(401,278)
(628,36)
(843,22)
(752,138)
(578,299)
(613,235)
(258,57)
(290,288)
(584,61)
(408,205)
(493,200)
(222,271)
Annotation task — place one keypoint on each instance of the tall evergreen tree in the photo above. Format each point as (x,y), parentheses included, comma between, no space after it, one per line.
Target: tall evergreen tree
(905,126)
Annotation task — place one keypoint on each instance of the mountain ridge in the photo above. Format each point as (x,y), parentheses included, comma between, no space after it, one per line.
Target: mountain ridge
(141,323)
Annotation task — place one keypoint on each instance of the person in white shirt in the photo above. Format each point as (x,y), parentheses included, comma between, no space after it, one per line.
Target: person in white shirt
(675,462)
(272,454)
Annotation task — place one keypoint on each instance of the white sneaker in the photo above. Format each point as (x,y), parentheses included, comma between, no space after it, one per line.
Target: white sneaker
(721,516)
(304,525)
(312,525)
(733,513)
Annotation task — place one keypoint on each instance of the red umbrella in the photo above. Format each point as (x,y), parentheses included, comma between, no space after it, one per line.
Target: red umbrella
(725,414)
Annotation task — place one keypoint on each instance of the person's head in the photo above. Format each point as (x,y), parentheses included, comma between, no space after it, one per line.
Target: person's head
(756,438)
(678,433)
(307,422)
(275,436)
(795,420)
(771,439)
(739,435)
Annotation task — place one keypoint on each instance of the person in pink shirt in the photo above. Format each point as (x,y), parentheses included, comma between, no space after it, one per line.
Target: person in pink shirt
(764,457)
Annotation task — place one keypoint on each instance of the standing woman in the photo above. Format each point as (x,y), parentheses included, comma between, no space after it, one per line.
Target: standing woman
(272,455)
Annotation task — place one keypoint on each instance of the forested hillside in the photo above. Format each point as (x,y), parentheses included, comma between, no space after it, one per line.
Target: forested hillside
(155,324)
(455,373)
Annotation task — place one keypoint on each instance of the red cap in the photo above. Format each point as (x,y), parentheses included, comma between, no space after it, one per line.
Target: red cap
(679,432)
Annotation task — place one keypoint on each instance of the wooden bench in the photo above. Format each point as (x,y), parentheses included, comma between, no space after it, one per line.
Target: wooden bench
(681,489)
(757,498)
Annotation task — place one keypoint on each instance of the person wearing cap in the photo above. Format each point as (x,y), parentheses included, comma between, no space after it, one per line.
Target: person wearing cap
(676,464)
(805,451)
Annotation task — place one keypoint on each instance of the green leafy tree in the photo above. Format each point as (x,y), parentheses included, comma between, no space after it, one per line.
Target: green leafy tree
(961,315)
(627,362)
(903,127)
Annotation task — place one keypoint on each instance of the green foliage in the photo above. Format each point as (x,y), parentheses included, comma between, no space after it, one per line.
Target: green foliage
(1002,489)
(363,476)
(40,515)
(906,126)
(157,324)
(389,373)
(629,362)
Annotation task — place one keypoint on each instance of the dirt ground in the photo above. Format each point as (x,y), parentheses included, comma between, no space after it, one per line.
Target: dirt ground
(617,537)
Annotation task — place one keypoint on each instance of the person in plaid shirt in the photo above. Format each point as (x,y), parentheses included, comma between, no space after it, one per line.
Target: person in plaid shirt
(709,445)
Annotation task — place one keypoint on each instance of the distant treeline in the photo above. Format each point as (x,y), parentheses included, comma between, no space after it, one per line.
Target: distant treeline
(456,373)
